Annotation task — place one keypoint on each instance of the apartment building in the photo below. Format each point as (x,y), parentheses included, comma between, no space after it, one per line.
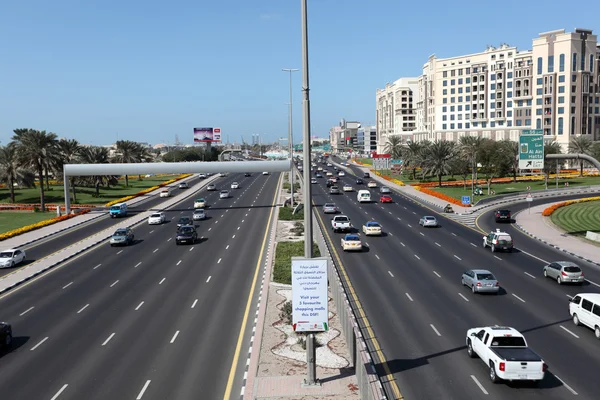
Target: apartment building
(396,110)
(500,92)
(367,138)
(344,136)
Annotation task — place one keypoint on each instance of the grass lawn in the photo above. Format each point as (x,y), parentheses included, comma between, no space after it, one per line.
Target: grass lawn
(282,268)
(368,161)
(285,214)
(577,219)
(85,195)
(515,187)
(14,220)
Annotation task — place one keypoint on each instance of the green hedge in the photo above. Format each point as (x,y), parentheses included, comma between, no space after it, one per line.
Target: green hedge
(282,269)
(285,214)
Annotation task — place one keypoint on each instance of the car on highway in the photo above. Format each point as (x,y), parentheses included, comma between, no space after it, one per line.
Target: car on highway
(118,210)
(366,175)
(183,185)
(318,175)
(329,164)
(347,188)
(385,198)
(351,242)
(247,174)
(200,203)
(199,214)
(183,221)
(223,174)
(564,272)
(202,176)
(313,180)
(186,234)
(329,174)
(363,196)
(480,281)
(585,310)
(428,221)
(166,192)
(341,173)
(211,187)
(333,179)
(385,190)
(359,181)
(502,216)
(341,223)
(334,190)
(504,351)
(372,228)
(224,194)
(372,184)
(11,257)
(330,208)
(498,240)
(122,237)
(157,218)
(265,173)
(5,334)
(235,185)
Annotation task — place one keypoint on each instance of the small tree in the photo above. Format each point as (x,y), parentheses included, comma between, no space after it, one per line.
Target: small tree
(494,161)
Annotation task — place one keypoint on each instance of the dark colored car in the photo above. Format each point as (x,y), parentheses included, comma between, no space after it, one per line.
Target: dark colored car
(359,181)
(247,174)
(186,234)
(330,183)
(5,334)
(184,221)
(502,216)
(366,175)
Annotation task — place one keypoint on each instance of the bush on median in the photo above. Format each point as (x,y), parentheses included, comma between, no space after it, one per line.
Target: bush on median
(282,267)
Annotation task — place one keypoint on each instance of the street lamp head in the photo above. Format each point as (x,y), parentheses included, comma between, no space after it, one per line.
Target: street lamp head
(290,69)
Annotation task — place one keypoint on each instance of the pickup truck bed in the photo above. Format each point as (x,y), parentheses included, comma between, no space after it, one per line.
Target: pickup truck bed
(516,354)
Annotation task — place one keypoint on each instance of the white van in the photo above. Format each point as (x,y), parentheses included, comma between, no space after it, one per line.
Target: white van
(585,310)
(363,196)
(166,192)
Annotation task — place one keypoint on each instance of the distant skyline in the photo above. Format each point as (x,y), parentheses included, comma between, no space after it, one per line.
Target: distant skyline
(148,70)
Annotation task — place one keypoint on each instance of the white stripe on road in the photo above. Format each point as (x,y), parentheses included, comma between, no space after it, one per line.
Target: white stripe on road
(435,330)
(139,306)
(418,258)
(392,275)
(108,339)
(143,390)
(474,245)
(26,311)
(178,262)
(438,275)
(479,385)
(82,308)
(458,258)
(138,264)
(529,275)
(568,331)
(208,280)
(62,389)
(219,261)
(117,281)
(569,388)
(39,343)
(498,258)
(67,285)
(464,298)
(175,337)
(377,256)
(437,244)
(403,245)
(161,281)
(119,252)
(410,298)
(518,297)
(194,303)
(97,266)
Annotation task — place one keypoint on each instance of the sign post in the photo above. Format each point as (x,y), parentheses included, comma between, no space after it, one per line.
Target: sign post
(529,199)
(531,149)
(466,200)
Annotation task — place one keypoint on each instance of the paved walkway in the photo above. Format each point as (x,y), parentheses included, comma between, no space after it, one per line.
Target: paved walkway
(541,228)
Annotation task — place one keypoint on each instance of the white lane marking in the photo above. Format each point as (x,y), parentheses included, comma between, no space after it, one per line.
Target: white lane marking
(437,244)
(139,306)
(62,389)
(473,244)
(409,225)
(162,280)
(82,308)
(227,247)
(152,231)
(464,298)
(115,282)
(479,384)
(377,256)
(175,337)
(498,258)
(169,239)
(222,215)
(26,311)
(421,233)
(569,388)
(208,280)
(194,303)
(390,233)
(233,237)
(435,330)
(138,264)
(119,252)
(453,234)
(209,229)
(219,261)
(399,219)
(569,296)
(457,257)
(217,221)
(178,262)
(39,344)
(97,266)
(414,213)
(238,228)
(143,390)
(438,275)
(593,283)
(528,274)
(243,221)
(392,275)
(568,331)
(418,258)
(403,245)
(408,295)
(155,250)
(405,208)
(518,297)
(108,339)
(67,285)
(192,248)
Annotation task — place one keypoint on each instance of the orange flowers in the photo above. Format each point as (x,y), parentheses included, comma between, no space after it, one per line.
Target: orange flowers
(441,196)
(38,225)
(550,210)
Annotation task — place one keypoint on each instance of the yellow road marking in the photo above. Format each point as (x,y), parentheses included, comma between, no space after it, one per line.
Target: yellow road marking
(389,376)
(238,347)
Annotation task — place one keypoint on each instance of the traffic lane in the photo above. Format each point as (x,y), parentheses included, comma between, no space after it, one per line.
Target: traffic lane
(113,301)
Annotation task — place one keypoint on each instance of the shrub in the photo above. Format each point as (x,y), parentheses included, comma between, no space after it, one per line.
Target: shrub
(441,196)
(285,214)
(302,341)
(282,267)
(286,313)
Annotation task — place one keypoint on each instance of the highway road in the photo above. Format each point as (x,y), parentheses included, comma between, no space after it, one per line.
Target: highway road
(148,321)
(45,247)
(408,282)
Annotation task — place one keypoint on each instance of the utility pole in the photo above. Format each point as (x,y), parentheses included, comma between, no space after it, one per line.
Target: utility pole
(291,132)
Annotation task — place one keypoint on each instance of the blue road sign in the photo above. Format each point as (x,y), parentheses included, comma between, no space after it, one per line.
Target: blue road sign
(466,200)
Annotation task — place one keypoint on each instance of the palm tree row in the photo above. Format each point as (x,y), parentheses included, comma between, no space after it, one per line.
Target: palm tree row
(34,154)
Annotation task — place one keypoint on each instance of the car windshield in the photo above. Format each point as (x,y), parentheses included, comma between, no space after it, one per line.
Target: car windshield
(572,269)
(6,254)
(115,208)
(373,224)
(155,216)
(329,205)
(486,277)
(504,238)
(503,212)
(199,212)
(184,220)
(120,233)
(353,237)
(342,219)
(187,229)
(430,218)
(200,200)
(224,192)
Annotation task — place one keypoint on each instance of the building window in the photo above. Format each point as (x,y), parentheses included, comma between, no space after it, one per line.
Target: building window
(445,100)
(540,91)
(508,104)
(444,126)
(468,98)
(460,108)
(467,107)
(460,81)
(445,92)
(538,123)
(452,82)
(538,111)
(519,122)
(519,103)
(445,83)
(467,125)
(560,125)
(561,99)
(509,114)
(445,74)
(452,117)
(467,71)
(561,78)
(561,89)
(452,91)
(550,64)
(538,102)
(452,99)
(451,126)
(561,63)
(539,65)
(591,63)
(574,78)
(444,109)
(444,118)
(460,126)
(509,85)
(467,80)
(561,110)
(509,75)
(574,62)
(529,102)
(509,123)
(540,81)
(509,94)
(492,124)
(451,108)
(493,86)
(572,125)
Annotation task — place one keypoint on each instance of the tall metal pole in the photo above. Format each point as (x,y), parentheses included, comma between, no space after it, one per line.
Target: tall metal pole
(291,132)
(311,379)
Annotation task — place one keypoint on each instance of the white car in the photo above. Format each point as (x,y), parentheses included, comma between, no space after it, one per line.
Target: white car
(372,184)
(199,214)
(157,218)
(224,194)
(11,257)
(329,173)
(200,203)
(202,176)
(211,187)
(183,185)
(347,188)
(265,173)
(428,221)
(351,242)
(371,228)
(235,185)
(313,180)
(341,173)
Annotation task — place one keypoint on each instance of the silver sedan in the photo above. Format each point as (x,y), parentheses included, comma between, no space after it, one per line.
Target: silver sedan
(480,281)
(564,272)
(428,221)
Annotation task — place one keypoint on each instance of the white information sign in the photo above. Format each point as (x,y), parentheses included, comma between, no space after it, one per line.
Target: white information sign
(309,294)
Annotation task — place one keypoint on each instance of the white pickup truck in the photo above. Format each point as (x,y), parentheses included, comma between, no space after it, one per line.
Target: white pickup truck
(505,352)
(341,223)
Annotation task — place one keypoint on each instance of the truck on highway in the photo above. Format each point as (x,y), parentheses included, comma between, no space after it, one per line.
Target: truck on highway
(341,223)
(505,352)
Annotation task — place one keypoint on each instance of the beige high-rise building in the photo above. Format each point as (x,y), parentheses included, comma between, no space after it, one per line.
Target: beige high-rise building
(501,91)
(396,111)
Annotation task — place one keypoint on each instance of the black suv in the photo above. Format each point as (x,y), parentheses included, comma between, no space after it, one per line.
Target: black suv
(5,334)
(502,216)
(186,234)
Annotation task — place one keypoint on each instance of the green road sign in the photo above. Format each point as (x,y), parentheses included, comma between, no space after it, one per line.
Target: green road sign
(531,149)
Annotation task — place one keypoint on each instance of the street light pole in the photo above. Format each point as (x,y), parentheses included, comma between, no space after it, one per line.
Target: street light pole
(290,133)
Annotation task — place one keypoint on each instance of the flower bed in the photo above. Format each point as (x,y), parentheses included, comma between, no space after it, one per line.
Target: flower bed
(146,191)
(38,225)
(441,196)
(34,207)
(550,210)
(499,180)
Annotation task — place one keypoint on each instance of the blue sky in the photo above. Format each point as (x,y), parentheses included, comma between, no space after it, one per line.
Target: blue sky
(149,70)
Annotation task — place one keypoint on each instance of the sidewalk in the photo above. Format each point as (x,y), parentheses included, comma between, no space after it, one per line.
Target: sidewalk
(542,229)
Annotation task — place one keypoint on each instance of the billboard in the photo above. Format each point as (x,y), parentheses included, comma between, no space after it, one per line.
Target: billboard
(310,311)
(207,135)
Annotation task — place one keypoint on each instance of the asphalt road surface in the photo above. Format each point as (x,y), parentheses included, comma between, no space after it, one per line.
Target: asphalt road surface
(147,321)
(409,283)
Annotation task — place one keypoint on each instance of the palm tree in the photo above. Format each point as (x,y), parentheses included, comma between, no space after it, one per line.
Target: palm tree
(144,155)
(32,147)
(581,145)
(512,149)
(551,167)
(394,146)
(470,146)
(411,156)
(68,153)
(439,159)
(96,155)
(11,172)
(127,153)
